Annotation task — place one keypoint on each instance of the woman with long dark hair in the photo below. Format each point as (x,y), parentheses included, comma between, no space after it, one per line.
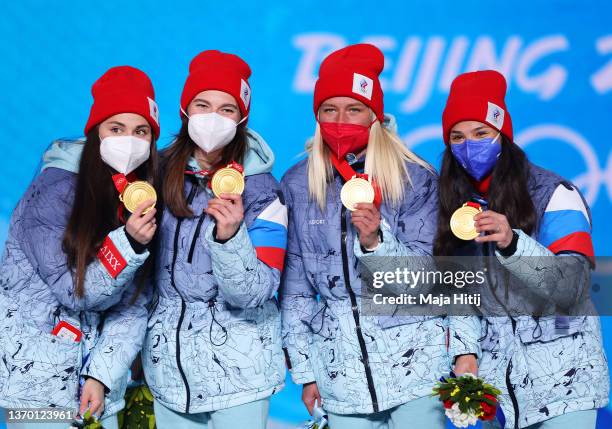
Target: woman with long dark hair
(537,339)
(212,352)
(72,315)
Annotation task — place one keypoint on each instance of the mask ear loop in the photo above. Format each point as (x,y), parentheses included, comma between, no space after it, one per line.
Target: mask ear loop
(374,119)
(242,120)
(184,113)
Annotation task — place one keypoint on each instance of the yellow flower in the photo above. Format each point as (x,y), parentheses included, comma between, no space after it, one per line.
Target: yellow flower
(454,392)
(467,399)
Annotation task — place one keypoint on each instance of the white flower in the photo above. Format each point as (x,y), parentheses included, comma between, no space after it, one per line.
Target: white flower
(460,419)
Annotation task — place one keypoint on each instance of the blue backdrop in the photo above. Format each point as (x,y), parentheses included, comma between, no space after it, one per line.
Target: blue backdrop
(556,56)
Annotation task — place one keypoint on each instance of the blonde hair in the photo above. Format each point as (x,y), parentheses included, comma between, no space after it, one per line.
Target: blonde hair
(385,162)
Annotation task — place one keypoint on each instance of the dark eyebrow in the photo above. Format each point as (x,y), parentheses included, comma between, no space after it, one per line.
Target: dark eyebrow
(117,123)
(328,105)
(203,100)
(143,126)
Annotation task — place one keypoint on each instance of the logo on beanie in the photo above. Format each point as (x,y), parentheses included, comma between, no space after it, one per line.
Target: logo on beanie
(153,111)
(245,93)
(363,85)
(495,115)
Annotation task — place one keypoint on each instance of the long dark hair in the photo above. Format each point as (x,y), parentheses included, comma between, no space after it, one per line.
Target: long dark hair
(94,210)
(175,159)
(508,194)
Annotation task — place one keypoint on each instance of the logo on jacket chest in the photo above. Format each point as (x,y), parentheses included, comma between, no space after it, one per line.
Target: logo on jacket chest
(316,222)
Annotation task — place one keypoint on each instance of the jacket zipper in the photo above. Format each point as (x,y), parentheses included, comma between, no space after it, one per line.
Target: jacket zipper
(195,237)
(355,309)
(513,321)
(183,305)
(512,394)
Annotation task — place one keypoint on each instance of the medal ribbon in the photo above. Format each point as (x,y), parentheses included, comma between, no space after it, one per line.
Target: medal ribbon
(480,202)
(347,172)
(121,182)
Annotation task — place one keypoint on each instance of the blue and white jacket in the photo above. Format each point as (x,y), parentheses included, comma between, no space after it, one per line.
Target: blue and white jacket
(39,369)
(550,365)
(361,363)
(213,338)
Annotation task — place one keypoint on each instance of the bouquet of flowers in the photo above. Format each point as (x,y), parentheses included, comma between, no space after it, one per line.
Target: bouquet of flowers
(467,399)
(138,411)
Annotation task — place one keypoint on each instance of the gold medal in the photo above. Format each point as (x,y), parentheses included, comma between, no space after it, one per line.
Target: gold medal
(227,180)
(137,192)
(356,190)
(462,222)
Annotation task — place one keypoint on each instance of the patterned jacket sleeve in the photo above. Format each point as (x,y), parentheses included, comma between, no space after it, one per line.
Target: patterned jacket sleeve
(412,243)
(120,341)
(43,218)
(248,266)
(556,264)
(415,234)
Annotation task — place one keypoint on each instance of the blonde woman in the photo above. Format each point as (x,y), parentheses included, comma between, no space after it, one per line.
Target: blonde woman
(367,371)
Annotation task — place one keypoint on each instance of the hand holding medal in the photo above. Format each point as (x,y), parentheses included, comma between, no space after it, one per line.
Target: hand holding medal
(141,225)
(139,198)
(468,221)
(363,198)
(496,227)
(228,185)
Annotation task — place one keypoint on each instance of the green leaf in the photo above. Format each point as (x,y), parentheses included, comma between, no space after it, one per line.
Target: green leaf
(147,394)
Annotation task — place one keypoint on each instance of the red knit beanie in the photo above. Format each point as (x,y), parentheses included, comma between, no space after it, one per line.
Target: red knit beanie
(220,71)
(123,89)
(478,96)
(352,72)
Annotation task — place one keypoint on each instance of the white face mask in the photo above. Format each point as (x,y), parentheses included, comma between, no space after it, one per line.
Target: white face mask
(211,131)
(124,153)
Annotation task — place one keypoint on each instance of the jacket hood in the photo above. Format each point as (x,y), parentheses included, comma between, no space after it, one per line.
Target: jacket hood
(64,154)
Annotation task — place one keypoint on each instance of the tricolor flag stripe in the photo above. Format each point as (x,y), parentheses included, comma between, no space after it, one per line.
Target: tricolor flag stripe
(268,233)
(275,212)
(566,199)
(566,225)
(560,223)
(579,242)
(264,233)
(272,256)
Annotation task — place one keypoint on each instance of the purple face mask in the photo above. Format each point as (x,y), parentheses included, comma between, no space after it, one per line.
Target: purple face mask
(477,157)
